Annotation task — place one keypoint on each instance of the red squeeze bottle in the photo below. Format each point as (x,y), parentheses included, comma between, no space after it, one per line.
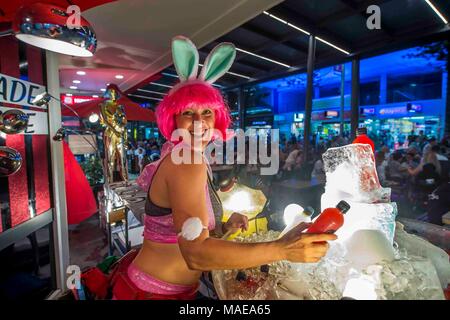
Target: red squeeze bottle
(330,220)
(361,137)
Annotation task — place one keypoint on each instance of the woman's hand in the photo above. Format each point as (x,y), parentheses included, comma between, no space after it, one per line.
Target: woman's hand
(304,247)
(235,222)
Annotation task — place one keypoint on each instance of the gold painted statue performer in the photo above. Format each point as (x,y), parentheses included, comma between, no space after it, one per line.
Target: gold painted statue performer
(114,120)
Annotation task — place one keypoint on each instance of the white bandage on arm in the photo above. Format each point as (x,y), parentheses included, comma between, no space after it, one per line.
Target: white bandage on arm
(192,228)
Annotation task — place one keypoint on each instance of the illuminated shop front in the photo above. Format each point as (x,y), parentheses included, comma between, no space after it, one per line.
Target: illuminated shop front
(290,124)
(391,125)
(259,107)
(262,124)
(401,93)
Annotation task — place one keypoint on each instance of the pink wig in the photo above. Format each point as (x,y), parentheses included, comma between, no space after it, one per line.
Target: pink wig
(194,95)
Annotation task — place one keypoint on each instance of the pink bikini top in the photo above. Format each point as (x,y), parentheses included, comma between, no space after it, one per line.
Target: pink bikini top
(158,221)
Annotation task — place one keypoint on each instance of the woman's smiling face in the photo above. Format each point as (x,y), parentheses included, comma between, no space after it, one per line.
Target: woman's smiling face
(197,124)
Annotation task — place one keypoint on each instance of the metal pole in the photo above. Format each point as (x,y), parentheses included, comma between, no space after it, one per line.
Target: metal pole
(355,97)
(309,92)
(60,230)
(342,98)
(446,95)
(68,107)
(127,243)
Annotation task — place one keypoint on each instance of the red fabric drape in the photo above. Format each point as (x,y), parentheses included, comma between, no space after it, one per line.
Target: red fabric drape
(79,195)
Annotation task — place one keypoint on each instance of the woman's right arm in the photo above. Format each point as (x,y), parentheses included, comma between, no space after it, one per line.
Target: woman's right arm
(214,254)
(186,185)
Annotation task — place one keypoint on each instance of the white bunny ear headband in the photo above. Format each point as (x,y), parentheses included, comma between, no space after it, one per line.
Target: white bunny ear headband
(185,59)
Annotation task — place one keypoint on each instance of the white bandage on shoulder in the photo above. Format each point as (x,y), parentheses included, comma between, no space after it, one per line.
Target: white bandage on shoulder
(192,228)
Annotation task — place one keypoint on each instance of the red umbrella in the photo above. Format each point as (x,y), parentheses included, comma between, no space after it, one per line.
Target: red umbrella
(133,110)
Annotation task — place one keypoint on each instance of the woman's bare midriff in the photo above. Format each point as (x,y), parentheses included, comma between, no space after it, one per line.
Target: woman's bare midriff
(164,262)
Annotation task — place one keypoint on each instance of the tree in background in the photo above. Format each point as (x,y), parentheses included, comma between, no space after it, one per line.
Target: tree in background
(93,170)
(438,51)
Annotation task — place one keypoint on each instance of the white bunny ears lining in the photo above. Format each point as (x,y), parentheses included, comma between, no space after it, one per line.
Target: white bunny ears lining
(185,58)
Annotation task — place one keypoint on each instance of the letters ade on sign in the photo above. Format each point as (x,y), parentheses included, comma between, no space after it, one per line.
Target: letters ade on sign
(17,91)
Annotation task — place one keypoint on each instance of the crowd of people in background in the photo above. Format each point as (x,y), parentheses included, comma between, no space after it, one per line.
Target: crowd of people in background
(416,169)
(293,162)
(142,152)
(423,158)
(417,172)
(424,163)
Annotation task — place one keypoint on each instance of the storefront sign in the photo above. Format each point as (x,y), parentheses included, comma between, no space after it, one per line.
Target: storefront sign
(405,110)
(20,92)
(76,99)
(257,110)
(392,111)
(259,123)
(298,117)
(331,114)
(413,108)
(367,111)
(37,123)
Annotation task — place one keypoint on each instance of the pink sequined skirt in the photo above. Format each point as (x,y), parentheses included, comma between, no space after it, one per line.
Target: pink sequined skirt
(130,283)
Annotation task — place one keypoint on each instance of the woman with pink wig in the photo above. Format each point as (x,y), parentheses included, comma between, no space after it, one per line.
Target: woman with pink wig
(183,212)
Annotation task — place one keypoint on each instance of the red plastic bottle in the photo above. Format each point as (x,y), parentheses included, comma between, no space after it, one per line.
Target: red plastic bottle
(361,137)
(330,220)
